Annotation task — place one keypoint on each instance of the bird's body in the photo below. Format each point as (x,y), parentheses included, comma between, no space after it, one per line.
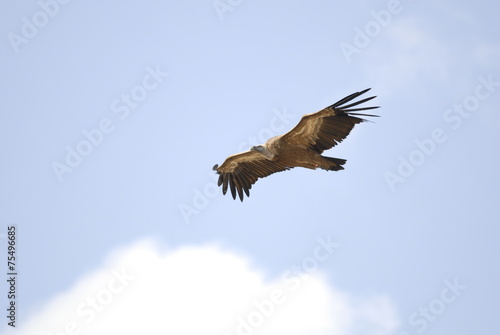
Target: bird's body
(301,156)
(300,147)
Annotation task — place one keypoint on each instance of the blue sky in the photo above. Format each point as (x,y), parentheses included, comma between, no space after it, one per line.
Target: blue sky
(114,113)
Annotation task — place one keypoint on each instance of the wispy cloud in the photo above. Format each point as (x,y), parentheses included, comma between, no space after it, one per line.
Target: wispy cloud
(416,52)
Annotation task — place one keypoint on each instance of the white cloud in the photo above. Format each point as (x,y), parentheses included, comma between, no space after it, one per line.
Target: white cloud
(204,290)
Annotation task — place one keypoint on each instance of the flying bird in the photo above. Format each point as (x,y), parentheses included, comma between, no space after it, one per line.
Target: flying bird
(300,147)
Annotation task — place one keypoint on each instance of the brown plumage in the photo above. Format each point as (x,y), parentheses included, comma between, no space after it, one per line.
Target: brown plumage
(300,147)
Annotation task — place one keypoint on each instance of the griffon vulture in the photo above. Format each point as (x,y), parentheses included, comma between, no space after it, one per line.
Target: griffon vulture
(300,147)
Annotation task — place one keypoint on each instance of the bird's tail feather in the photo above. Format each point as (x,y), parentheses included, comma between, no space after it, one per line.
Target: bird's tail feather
(337,163)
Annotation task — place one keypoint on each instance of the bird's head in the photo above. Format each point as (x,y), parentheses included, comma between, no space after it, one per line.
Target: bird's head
(258,148)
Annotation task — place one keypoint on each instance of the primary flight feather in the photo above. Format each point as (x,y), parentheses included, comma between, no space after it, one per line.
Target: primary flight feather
(300,147)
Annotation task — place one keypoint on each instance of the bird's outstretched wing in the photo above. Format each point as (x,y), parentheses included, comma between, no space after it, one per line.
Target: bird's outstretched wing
(241,171)
(325,129)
